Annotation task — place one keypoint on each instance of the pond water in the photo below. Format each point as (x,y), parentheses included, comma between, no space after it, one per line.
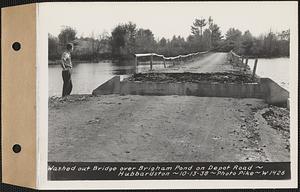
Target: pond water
(88,76)
(276,69)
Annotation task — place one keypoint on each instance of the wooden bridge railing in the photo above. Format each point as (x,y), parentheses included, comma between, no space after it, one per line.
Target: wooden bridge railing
(177,58)
(237,59)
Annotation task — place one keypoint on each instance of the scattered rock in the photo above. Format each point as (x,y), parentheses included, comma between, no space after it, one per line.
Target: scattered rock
(108,103)
(216,137)
(93,121)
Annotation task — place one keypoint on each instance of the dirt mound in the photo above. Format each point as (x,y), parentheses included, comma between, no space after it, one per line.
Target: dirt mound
(192,77)
(279,119)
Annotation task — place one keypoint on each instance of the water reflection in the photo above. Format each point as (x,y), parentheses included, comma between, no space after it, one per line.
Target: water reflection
(123,67)
(277,69)
(88,76)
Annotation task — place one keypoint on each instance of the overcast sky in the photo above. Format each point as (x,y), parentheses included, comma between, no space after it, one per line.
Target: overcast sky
(169,18)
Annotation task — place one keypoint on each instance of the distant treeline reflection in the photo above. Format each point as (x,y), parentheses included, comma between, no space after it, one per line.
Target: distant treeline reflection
(127,39)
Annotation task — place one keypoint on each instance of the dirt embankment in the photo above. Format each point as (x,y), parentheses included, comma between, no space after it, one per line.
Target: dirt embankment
(279,119)
(225,77)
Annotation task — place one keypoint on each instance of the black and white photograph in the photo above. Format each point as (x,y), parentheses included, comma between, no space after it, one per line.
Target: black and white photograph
(162,86)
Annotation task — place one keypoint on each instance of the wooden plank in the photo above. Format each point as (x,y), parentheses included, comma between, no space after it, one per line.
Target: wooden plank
(254,69)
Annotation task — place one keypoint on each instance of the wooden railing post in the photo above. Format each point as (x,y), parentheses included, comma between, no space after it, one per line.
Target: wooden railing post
(254,69)
(136,64)
(230,57)
(164,63)
(151,61)
(233,59)
(246,63)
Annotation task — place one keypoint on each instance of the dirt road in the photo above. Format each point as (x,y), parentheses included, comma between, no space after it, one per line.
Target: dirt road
(161,129)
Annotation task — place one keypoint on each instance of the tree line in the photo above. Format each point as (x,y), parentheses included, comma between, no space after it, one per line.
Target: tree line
(127,39)
(267,46)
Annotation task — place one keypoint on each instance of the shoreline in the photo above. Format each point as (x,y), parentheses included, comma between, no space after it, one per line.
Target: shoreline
(57,62)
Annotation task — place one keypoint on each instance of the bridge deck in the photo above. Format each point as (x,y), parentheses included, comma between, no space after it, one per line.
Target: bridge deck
(209,63)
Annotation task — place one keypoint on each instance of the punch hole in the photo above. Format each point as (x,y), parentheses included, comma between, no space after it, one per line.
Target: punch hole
(16,148)
(16,46)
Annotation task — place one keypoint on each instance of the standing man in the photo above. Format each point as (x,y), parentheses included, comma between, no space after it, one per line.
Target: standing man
(66,64)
